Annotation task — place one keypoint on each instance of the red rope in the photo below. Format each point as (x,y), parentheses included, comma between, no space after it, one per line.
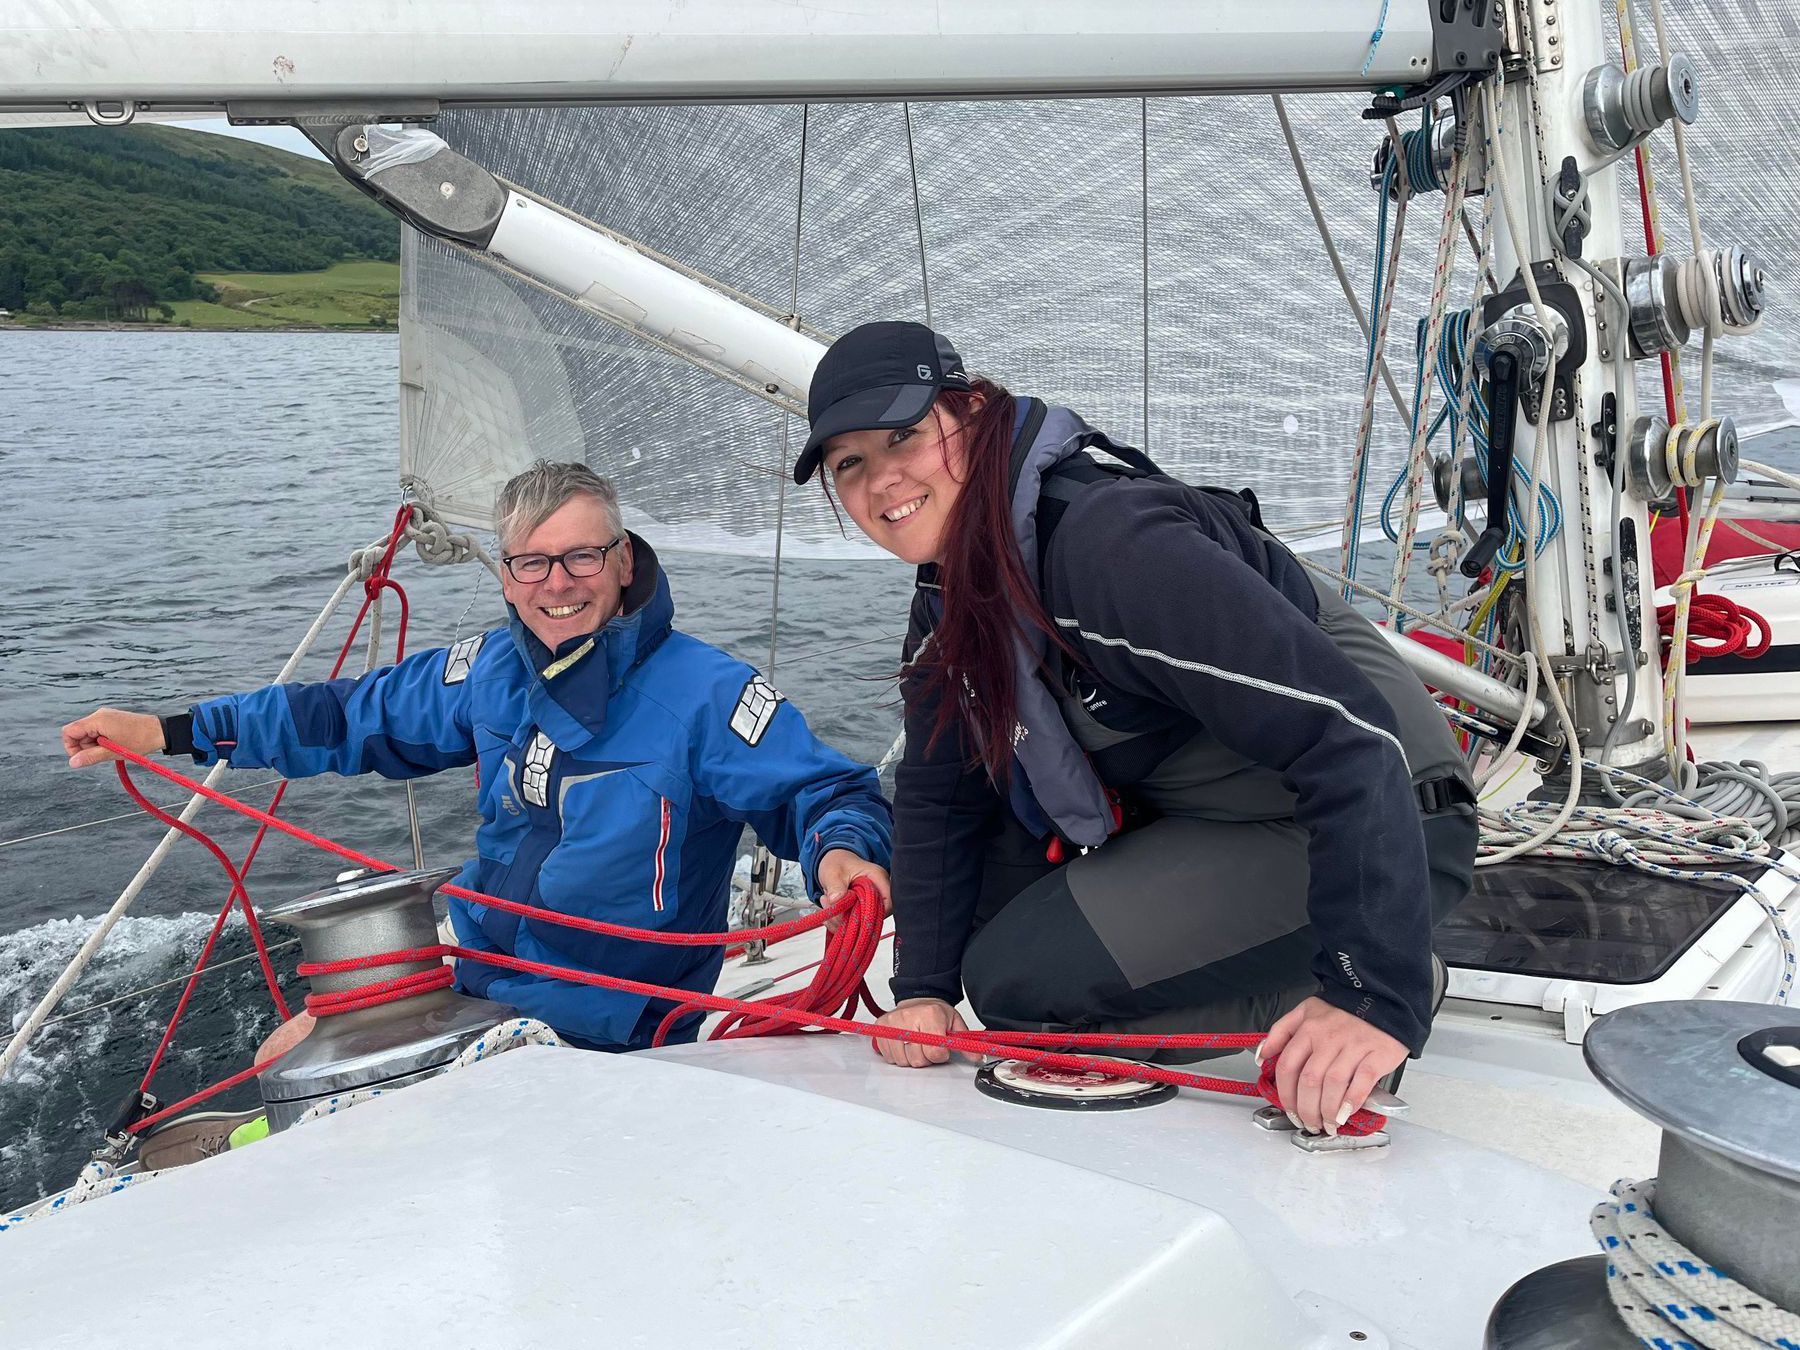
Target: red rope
(1717,626)
(1653,246)
(838,982)
(237,894)
(372,588)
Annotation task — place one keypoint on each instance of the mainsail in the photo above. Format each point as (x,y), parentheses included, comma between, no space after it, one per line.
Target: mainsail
(1151,262)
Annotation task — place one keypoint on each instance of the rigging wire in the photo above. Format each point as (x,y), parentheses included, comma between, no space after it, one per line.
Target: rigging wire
(1144,272)
(912,165)
(1331,248)
(783,418)
(77,1013)
(109,820)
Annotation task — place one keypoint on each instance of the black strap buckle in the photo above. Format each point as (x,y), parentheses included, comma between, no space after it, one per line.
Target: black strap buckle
(1440,794)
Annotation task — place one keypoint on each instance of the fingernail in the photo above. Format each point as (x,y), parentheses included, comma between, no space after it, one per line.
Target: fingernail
(1259,1057)
(1345,1112)
(1331,1129)
(1298,1124)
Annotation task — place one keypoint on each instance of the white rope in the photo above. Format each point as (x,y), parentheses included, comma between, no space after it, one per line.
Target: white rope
(1521,248)
(1331,252)
(1418,453)
(1674,840)
(1668,1295)
(97,1178)
(893,754)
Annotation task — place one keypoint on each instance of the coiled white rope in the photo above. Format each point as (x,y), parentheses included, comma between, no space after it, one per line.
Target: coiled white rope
(1675,841)
(1667,1295)
(97,1178)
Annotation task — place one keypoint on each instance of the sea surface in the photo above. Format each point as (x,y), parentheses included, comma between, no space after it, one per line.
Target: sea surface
(182,504)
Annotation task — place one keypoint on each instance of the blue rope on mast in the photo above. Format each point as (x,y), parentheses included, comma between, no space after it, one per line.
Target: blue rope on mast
(1375,38)
(1452,343)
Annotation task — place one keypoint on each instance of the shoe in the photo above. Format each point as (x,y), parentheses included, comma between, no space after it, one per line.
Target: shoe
(191,1138)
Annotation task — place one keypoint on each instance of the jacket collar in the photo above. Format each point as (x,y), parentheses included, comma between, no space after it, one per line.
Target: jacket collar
(571,686)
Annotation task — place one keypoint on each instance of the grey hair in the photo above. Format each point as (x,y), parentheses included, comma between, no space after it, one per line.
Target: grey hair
(532,497)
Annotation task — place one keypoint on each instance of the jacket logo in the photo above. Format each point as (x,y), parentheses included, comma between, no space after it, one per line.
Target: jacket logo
(755,709)
(1349,970)
(535,780)
(1089,694)
(460,659)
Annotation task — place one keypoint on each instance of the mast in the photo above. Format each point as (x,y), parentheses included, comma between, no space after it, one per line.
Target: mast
(1569,118)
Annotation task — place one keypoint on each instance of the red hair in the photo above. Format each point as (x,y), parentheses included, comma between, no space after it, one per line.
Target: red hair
(989,598)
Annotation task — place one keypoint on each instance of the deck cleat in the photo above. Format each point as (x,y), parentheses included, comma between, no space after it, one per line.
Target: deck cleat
(1276,1121)
(1340,1143)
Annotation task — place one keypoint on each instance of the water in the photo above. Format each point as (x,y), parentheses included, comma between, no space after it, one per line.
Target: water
(183,503)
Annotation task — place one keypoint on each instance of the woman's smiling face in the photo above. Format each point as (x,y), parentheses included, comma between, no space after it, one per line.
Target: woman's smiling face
(900,484)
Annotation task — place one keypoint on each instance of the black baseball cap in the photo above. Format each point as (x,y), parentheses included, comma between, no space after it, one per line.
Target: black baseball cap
(879,375)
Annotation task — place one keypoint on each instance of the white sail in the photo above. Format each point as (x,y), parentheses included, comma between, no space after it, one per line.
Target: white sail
(1150,262)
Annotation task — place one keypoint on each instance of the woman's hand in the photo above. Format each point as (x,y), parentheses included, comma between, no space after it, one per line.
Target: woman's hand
(1330,1062)
(919,1014)
(141,732)
(838,868)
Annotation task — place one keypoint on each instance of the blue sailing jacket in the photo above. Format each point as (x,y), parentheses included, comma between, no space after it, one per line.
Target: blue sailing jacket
(616,774)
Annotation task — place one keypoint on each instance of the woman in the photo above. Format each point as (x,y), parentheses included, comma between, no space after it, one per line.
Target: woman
(1155,778)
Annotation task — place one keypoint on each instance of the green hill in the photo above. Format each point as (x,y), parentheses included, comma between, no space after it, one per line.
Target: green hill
(120,223)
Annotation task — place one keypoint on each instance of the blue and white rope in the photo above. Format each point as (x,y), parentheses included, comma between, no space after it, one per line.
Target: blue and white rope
(511,1034)
(97,1178)
(1375,38)
(1667,1296)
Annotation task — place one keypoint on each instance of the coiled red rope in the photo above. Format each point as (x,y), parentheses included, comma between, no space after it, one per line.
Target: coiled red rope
(1717,626)
(826,1004)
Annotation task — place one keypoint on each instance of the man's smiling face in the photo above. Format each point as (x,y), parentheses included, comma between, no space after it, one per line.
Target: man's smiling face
(562,606)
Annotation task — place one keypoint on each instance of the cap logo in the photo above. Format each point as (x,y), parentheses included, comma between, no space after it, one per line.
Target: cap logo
(924,372)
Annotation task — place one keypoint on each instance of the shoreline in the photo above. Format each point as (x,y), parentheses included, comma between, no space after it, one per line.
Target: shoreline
(102,326)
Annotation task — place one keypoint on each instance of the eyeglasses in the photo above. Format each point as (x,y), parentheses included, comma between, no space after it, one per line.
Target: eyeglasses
(531,568)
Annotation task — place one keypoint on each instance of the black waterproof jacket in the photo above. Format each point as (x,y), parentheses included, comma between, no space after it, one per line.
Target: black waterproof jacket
(1189,620)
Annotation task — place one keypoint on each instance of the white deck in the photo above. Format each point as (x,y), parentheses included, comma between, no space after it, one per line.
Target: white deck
(794,1193)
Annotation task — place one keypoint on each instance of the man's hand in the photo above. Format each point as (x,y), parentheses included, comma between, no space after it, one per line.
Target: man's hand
(284,1038)
(1330,1062)
(135,731)
(839,867)
(919,1014)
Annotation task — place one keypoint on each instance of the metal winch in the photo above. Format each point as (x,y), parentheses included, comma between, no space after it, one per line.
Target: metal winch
(388,1046)
(1723,1082)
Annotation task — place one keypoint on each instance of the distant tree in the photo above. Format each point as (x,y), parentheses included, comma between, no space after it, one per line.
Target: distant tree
(127,217)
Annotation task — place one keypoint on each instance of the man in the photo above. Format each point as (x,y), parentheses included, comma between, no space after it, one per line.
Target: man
(619,760)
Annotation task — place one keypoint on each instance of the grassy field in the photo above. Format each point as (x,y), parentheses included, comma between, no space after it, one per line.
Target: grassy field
(349,295)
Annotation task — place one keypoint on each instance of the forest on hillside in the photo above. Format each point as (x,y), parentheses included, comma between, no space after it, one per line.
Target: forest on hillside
(115,223)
